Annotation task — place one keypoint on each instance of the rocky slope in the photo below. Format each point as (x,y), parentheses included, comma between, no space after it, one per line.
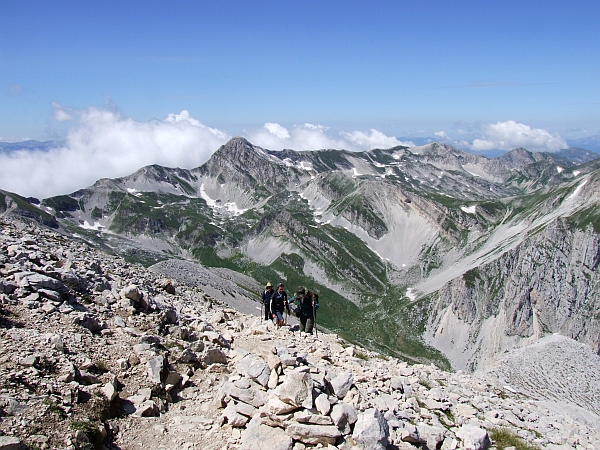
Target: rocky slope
(98,352)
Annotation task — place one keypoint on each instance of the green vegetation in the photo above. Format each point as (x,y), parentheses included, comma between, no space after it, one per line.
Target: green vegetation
(503,437)
(97,213)
(62,203)
(91,431)
(586,217)
(472,278)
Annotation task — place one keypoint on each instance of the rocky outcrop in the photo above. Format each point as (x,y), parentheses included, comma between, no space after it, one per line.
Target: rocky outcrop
(545,285)
(112,354)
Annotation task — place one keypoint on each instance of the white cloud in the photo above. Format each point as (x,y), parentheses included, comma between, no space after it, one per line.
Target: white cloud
(277,130)
(60,114)
(441,134)
(309,136)
(374,139)
(510,134)
(105,144)
(102,143)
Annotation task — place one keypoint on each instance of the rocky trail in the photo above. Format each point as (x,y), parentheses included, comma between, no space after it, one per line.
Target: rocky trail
(99,353)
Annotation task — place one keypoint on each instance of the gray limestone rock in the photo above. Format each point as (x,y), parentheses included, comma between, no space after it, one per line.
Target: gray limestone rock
(432,435)
(371,430)
(473,437)
(296,389)
(313,434)
(342,383)
(343,416)
(255,367)
(155,368)
(89,321)
(263,437)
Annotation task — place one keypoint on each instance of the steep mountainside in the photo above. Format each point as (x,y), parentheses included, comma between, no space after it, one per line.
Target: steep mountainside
(392,239)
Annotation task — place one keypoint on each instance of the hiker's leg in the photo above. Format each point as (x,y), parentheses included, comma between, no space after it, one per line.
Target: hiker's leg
(309,325)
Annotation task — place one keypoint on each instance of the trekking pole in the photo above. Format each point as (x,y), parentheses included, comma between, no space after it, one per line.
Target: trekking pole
(315,319)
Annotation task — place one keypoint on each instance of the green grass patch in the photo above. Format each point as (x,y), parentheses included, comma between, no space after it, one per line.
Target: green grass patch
(503,437)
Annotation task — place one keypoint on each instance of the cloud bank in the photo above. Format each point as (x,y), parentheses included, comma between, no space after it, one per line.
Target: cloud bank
(315,137)
(102,143)
(510,134)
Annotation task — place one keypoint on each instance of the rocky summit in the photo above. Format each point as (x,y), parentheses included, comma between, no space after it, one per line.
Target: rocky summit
(100,353)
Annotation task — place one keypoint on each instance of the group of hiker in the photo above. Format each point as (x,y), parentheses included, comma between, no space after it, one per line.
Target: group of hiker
(303,305)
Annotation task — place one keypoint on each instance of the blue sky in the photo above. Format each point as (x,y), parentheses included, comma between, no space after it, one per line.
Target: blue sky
(297,74)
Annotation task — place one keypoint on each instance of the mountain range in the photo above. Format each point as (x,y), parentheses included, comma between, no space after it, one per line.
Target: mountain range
(429,253)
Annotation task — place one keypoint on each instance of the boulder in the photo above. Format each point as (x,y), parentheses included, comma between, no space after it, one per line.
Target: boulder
(263,437)
(473,437)
(371,430)
(313,434)
(342,383)
(254,367)
(296,389)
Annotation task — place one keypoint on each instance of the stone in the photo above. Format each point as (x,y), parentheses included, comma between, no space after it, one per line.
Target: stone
(273,379)
(89,321)
(276,406)
(341,384)
(255,367)
(262,437)
(296,389)
(371,430)
(146,409)
(313,434)
(37,281)
(343,416)
(473,437)
(305,416)
(212,355)
(110,391)
(431,435)
(233,417)
(131,292)
(322,404)
(155,369)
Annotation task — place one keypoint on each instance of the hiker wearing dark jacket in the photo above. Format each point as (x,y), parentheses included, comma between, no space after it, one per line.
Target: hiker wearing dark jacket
(307,302)
(279,302)
(266,299)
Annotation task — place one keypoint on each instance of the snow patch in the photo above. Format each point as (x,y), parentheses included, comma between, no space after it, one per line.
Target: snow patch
(576,172)
(577,190)
(469,209)
(411,294)
(230,206)
(86,226)
(559,169)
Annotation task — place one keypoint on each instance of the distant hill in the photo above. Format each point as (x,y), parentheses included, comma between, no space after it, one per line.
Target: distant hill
(578,155)
(8,147)
(589,143)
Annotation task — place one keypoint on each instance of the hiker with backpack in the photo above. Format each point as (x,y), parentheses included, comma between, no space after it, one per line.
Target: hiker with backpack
(267,295)
(279,302)
(305,306)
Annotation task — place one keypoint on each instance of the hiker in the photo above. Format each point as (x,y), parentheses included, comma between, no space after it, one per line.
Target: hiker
(266,299)
(279,302)
(307,303)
